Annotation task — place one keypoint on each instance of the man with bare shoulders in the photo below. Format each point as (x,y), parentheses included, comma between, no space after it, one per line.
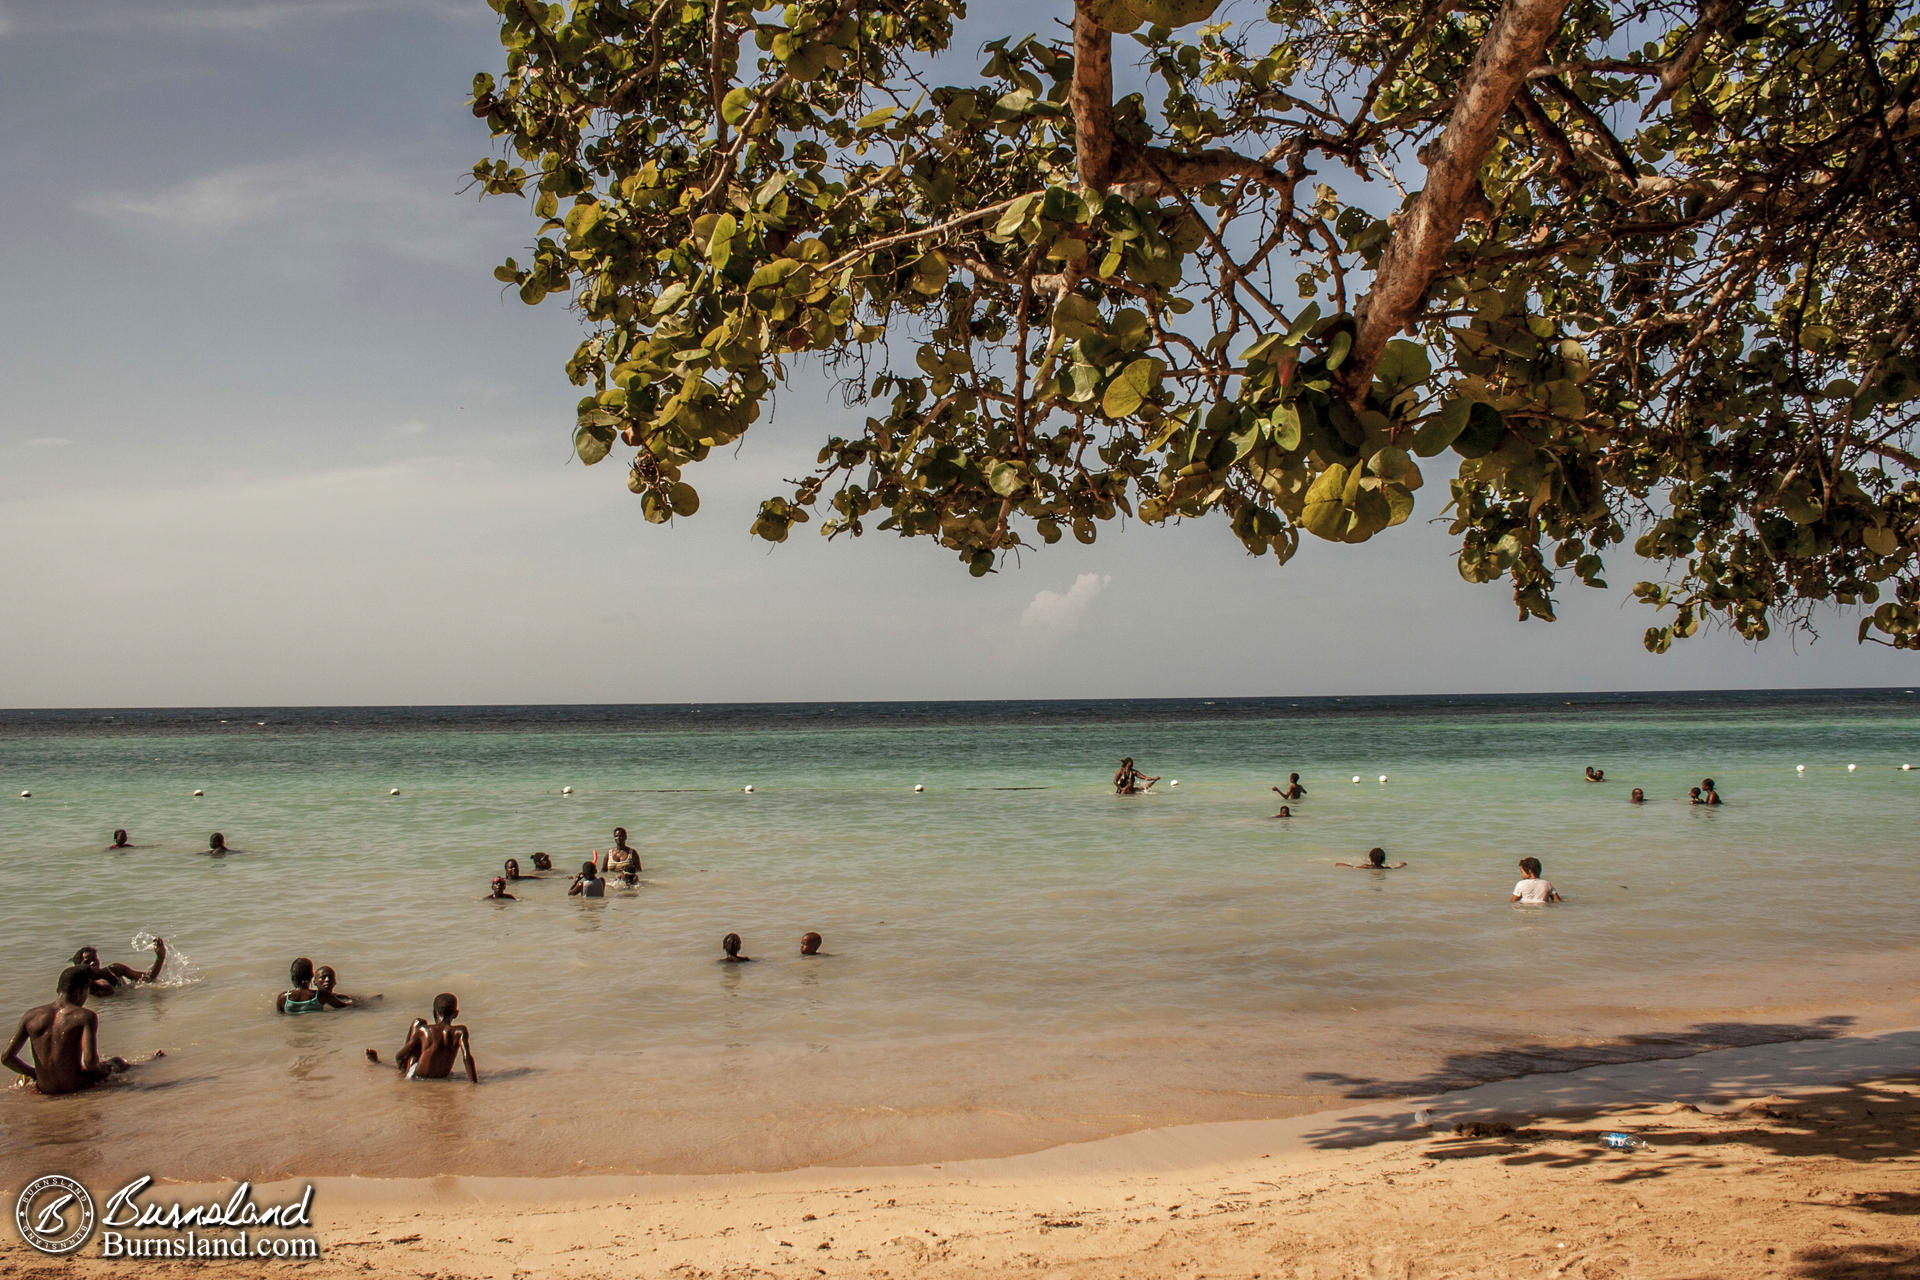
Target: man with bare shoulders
(431,1049)
(106,979)
(65,1039)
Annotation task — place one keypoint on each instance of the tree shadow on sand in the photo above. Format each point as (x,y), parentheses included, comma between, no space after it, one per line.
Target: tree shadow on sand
(1859,1262)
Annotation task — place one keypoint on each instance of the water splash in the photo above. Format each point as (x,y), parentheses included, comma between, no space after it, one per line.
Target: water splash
(179,971)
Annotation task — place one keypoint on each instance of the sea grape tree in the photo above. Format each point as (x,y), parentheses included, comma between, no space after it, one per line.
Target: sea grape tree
(1641,270)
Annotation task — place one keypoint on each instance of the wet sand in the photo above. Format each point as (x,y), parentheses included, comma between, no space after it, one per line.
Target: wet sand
(1797,1160)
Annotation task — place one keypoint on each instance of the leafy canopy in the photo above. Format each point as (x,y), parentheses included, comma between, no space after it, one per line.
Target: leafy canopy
(1626,270)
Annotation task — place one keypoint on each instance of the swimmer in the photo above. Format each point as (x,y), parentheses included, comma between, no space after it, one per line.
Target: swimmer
(809,944)
(1638,797)
(500,893)
(106,979)
(588,883)
(1596,775)
(541,862)
(1376,861)
(1127,779)
(513,869)
(431,1049)
(303,998)
(324,979)
(119,840)
(1693,796)
(1707,794)
(621,858)
(65,1040)
(1534,888)
(217,846)
(1293,790)
(731,945)
(1286,811)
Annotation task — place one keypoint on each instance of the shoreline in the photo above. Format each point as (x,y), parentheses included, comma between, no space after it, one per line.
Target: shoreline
(1823,1136)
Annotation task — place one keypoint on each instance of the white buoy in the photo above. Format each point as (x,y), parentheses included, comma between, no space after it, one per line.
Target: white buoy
(748,789)
(1174,783)
(1906,768)
(919,786)
(26,795)
(1356,777)
(566,791)
(1852,767)
(394,792)
(1383,777)
(199,793)
(1799,768)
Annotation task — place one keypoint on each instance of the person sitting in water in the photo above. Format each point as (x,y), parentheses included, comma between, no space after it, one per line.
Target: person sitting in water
(541,862)
(1127,779)
(106,979)
(1533,888)
(119,840)
(621,858)
(731,945)
(1638,797)
(303,997)
(500,893)
(217,845)
(1707,794)
(1286,811)
(588,883)
(1376,861)
(65,1040)
(1694,797)
(324,981)
(431,1048)
(1293,790)
(809,944)
(1596,775)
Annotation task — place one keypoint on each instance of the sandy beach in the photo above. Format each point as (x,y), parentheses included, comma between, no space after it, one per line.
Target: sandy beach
(1799,1159)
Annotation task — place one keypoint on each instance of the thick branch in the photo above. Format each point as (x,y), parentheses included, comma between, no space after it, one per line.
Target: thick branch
(1163,172)
(1092,100)
(1513,46)
(1676,70)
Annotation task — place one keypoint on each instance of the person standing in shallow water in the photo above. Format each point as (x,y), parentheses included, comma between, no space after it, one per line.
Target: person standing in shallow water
(1127,779)
(622,860)
(1293,790)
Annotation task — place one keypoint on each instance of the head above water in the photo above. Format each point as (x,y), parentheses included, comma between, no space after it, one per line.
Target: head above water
(1531,866)
(324,978)
(1126,762)
(1293,777)
(731,944)
(1694,792)
(810,944)
(1706,784)
(1638,795)
(590,869)
(119,837)
(1376,857)
(75,982)
(542,862)
(499,885)
(1286,811)
(216,841)
(86,957)
(301,971)
(446,1007)
(513,868)
(619,835)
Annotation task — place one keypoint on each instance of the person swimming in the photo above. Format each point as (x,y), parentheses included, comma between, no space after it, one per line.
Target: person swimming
(431,1048)
(1694,797)
(588,883)
(809,944)
(119,840)
(1293,789)
(302,997)
(1376,861)
(1596,775)
(324,981)
(106,979)
(513,869)
(1534,888)
(731,945)
(500,893)
(1286,811)
(1638,797)
(64,1035)
(1127,779)
(541,862)
(217,846)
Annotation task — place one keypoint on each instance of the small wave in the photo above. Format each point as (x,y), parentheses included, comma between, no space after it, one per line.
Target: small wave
(179,971)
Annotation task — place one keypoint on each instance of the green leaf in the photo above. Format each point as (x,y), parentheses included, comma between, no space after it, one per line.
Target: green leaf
(1076,317)
(1325,511)
(720,240)
(682,498)
(736,105)
(1006,478)
(1484,431)
(1286,426)
(1441,430)
(1130,389)
(1402,364)
(875,118)
(593,441)
(1338,348)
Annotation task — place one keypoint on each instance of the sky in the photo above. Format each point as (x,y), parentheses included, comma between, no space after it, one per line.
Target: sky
(271,434)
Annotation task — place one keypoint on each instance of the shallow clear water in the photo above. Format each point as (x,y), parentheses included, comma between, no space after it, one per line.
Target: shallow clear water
(1016,955)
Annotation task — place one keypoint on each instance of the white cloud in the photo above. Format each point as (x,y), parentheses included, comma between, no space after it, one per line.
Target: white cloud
(1054,615)
(318,202)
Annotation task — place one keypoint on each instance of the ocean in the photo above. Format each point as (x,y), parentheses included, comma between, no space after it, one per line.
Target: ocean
(1015,956)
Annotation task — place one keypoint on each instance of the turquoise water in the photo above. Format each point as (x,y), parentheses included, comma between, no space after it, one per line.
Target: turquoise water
(1016,955)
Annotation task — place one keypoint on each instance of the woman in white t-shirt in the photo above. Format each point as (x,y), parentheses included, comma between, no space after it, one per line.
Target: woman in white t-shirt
(1534,888)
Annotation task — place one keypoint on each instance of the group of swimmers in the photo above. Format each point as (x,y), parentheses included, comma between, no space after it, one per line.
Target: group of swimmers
(1705,793)
(64,1033)
(216,844)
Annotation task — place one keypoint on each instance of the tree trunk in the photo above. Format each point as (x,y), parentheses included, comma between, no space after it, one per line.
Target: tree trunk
(1092,100)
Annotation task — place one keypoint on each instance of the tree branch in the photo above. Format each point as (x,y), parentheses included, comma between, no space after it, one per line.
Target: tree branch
(1091,98)
(1513,46)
